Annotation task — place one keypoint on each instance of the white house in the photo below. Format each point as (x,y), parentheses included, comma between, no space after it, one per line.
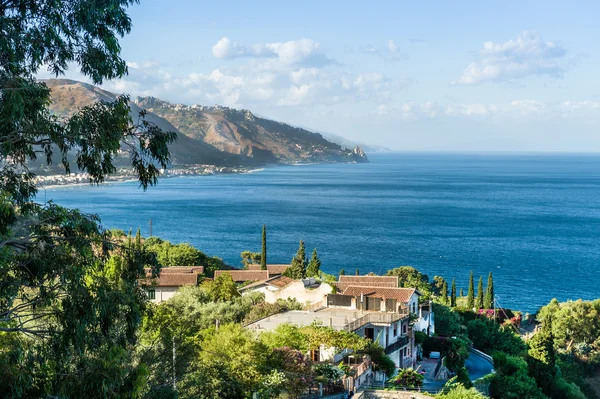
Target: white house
(169,280)
(281,287)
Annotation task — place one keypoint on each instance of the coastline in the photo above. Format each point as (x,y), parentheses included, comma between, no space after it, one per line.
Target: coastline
(122,176)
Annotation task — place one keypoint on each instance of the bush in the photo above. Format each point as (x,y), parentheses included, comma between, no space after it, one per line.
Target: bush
(420,337)
(488,336)
(408,378)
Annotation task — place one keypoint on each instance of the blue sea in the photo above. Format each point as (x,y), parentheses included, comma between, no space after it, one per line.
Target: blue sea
(533,220)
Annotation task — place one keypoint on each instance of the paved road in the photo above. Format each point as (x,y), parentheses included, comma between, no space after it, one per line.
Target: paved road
(477,366)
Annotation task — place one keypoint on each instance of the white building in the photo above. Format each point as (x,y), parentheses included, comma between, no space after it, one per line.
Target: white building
(169,280)
(307,291)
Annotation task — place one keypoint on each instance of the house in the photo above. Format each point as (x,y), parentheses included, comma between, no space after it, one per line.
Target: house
(307,291)
(273,269)
(366,281)
(169,280)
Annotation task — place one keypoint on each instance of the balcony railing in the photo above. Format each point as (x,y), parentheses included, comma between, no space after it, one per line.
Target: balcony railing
(402,341)
(374,318)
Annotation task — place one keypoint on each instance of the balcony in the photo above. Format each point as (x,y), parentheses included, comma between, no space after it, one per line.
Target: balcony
(402,341)
(374,318)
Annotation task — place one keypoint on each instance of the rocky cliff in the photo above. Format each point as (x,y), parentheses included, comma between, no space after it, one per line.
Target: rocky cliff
(214,135)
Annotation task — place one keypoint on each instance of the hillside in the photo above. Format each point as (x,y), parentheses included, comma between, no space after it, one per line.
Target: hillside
(214,135)
(243,133)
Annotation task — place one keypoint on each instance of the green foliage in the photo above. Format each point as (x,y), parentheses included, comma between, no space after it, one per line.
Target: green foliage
(296,367)
(444,293)
(409,277)
(342,272)
(264,309)
(243,356)
(250,258)
(488,336)
(222,288)
(488,301)
(459,391)
(471,293)
(437,284)
(479,303)
(314,266)
(381,361)
(408,378)
(462,377)
(297,269)
(182,255)
(448,322)
(357,273)
(263,249)
(420,337)
(512,380)
(453,294)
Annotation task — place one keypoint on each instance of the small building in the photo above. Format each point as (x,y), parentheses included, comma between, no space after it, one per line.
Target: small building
(169,280)
(366,281)
(281,287)
(273,269)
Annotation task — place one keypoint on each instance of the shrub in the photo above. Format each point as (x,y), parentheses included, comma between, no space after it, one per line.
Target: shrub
(408,378)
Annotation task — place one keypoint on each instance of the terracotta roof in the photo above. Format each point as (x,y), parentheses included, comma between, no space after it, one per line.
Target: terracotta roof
(366,281)
(276,269)
(176,269)
(244,275)
(252,266)
(277,281)
(172,280)
(400,294)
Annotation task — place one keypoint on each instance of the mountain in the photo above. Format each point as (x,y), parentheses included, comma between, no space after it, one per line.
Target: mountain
(214,135)
(344,142)
(243,133)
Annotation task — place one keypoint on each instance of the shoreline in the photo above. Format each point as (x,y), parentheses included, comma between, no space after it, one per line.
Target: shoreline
(82,179)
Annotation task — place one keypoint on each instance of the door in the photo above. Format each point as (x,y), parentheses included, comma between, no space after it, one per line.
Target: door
(370,333)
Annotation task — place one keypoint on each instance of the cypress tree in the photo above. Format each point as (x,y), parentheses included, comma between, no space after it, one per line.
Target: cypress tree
(480,293)
(297,269)
(357,272)
(471,293)
(342,272)
(541,359)
(489,293)
(462,293)
(314,266)
(453,295)
(263,253)
(445,293)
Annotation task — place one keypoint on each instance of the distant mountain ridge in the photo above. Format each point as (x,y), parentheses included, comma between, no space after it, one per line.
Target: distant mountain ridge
(214,135)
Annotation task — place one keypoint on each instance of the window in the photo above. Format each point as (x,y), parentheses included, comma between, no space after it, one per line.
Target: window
(414,307)
(395,329)
(151,294)
(403,328)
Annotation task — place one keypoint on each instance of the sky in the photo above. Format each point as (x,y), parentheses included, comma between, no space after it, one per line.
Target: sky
(411,76)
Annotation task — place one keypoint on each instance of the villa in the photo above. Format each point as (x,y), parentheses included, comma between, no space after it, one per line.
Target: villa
(169,280)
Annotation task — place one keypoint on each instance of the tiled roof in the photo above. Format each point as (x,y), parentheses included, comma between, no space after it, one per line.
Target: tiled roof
(366,281)
(177,269)
(172,280)
(400,294)
(244,275)
(276,269)
(273,269)
(277,281)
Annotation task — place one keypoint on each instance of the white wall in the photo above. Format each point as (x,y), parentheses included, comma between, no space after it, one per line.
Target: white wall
(161,294)
(296,290)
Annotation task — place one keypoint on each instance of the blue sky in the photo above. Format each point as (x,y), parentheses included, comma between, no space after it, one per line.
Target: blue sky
(450,76)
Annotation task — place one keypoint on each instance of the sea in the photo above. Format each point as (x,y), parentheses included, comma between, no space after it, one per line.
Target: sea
(533,220)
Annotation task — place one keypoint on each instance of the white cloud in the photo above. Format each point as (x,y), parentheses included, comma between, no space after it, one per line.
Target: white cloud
(294,52)
(528,55)
(389,52)
(516,109)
